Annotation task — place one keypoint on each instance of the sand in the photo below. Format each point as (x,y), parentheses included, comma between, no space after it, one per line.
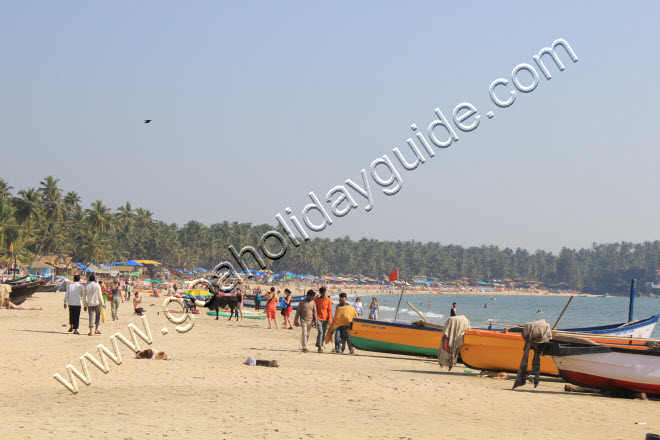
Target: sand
(205,391)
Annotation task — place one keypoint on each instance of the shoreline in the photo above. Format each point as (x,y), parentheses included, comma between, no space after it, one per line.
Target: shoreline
(373,395)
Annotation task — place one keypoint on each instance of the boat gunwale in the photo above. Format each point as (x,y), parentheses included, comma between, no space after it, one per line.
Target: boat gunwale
(396,324)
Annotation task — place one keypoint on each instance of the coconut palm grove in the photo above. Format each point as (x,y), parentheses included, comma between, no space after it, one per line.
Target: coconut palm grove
(45,219)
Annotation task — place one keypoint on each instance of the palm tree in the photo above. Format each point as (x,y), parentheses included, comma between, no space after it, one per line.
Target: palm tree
(71,201)
(5,189)
(52,206)
(8,225)
(28,208)
(95,248)
(125,214)
(143,217)
(99,217)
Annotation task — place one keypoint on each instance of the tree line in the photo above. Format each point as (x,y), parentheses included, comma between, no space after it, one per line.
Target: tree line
(45,220)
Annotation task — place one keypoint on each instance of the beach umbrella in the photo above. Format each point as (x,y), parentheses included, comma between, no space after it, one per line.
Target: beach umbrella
(151,262)
(132,263)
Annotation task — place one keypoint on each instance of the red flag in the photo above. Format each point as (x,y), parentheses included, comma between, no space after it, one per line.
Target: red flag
(394,275)
(11,247)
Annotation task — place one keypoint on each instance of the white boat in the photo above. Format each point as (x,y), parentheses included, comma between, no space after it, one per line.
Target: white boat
(608,367)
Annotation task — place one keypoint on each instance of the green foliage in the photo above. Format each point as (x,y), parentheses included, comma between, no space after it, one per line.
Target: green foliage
(42,221)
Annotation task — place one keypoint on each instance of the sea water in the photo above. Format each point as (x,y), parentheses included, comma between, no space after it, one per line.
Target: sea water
(513,310)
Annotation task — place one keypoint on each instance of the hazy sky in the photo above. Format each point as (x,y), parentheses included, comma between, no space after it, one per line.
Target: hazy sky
(254,105)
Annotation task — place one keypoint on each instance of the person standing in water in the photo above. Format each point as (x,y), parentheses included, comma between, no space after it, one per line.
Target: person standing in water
(452,312)
(357,305)
(374,308)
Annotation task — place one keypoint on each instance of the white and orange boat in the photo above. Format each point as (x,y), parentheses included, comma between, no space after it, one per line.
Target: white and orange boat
(607,367)
(501,350)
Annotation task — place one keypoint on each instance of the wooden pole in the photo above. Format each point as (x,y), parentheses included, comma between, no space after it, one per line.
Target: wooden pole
(562,312)
(397,306)
(417,311)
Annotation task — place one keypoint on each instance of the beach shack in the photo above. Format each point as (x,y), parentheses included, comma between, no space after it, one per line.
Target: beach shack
(40,269)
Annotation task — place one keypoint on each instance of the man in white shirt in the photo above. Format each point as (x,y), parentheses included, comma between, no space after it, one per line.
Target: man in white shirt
(73,298)
(93,301)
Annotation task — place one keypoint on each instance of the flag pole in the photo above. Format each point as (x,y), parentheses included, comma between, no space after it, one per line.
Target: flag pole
(396,314)
(13,265)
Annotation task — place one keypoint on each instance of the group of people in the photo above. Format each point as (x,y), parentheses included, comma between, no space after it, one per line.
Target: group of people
(93,298)
(316,311)
(272,299)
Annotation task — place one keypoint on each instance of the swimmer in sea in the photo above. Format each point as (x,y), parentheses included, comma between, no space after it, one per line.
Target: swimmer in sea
(539,311)
(485,306)
(429,303)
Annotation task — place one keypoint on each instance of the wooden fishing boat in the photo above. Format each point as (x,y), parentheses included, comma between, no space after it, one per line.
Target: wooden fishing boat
(504,346)
(16,281)
(246,314)
(501,350)
(21,292)
(607,367)
(394,337)
(633,329)
(50,287)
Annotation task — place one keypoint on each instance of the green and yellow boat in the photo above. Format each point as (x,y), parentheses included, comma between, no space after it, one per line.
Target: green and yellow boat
(395,337)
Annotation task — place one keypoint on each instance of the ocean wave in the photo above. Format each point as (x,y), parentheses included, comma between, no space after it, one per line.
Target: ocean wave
(406,311)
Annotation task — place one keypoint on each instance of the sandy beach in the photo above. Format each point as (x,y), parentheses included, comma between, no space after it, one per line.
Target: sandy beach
(205,390)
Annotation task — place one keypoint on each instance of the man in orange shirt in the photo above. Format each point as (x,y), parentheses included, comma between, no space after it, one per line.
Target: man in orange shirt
(323,317)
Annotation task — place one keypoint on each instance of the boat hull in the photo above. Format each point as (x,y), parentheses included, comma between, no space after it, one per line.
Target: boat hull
(499,351)
(246,315)
(502,351)
(482,349)
(625,370)
(388,337)
(21,292)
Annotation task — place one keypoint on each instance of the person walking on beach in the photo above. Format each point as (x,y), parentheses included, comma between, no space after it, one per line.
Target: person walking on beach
(357,305)
(374,308)
(127,289)
(93,300)
(306,317)
(271,308)
(452,312)
(323,317)
(116,298)
(342,337)
(288,309)
(104,293)
(73,299)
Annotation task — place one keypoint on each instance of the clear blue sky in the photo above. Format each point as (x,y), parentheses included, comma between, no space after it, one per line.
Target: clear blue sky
(256,104)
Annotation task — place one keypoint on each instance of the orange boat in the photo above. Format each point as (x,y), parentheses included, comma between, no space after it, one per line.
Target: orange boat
(502,351)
